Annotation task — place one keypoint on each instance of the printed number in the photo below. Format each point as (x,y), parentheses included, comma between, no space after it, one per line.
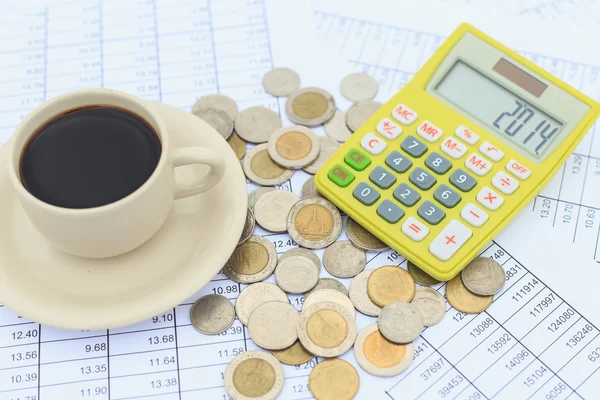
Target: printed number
(365,192)
(556,391)
(594,355)
(398,161)
(97,391)
(430,211)
(383,175)
(161,339)
(413,145)
(407,193)
(437,162)
(97,347)
(461,179)
(446,194)
(422,176)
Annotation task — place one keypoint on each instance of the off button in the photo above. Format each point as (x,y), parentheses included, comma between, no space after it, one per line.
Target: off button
(340,175)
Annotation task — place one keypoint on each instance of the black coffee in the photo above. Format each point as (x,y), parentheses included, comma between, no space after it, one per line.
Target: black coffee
(89,157)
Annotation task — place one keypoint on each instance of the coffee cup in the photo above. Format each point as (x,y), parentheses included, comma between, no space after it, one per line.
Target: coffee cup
(94,171)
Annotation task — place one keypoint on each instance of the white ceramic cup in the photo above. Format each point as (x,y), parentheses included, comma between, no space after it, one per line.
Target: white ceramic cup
(123,225)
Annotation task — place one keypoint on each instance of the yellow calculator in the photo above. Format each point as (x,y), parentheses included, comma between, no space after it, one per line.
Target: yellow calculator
(439,170)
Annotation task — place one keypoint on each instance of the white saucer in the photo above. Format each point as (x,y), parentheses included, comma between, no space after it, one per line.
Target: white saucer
(48,286)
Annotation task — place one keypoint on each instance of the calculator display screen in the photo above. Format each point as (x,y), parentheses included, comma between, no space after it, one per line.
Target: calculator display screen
(505,113)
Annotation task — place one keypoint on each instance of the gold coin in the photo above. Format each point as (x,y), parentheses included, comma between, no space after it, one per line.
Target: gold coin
(379,356)
(296,354)
(461,299)
(327,334)
(264,167)
(334,379)
(421,276)
(327,328)
(262,170)
(293,145)
(254,377)
(314,222)
(249,258)
(238,145)
(310,105)
(389,284)
(362,238)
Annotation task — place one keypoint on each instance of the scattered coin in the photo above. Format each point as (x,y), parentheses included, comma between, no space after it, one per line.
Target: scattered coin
(483,276)
(257,124)
(336,127)
(314,223)
(359,297)
(248,228)
(463,300)
(343,260)
(329,283)
(362,238)
(310,106)
(360,86)
(430,303)
(334,379)
(420,276)
(359,113)
(296,274)
(212,314)
(304,253)
(217,102)
(260,169)
(329,295)
(255,195)
(328,148)
(238,145)
(272,208)
(389,284)
(294,146)
(253,296)
(400,322)
(379,356)
(326,329)
(296,354)
(252,262)
(309,189)
(217,119)
(254,375)
(281,81)
(274,325)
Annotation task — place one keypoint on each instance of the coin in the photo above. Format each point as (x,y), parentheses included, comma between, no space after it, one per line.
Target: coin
(336,127)
(309,189)
(334,379)
(257,124)
(253,296)
(461,299)
(388,284)
(254,375)
(293,146)
(248,228)
(420,276)
(212,314)
(362,238)
(281,81)
(483,276)
(256,194)
(326,329)
(274,325)
(329,283)
(328,149)
(252,262)
(260,169)
(314,223)
(431,305)
(272,209)
(379,356)
(304,253)
(238,145)
(296,354)
(400,322)
(296,274)
(343,260)
(217,102)
(359,113)
(217,119)
(329,295)
(310,106)
(360,86)
(359,297)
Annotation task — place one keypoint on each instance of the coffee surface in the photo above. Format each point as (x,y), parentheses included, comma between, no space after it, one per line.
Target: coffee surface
(89,157)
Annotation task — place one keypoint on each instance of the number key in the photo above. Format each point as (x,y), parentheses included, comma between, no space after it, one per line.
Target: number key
(365,193)
(413,147)
(406,195)
(446,196)
(462,180)
(422,179)
(390,212)
(398,162)
(431,213)
(382,177)
(438,164)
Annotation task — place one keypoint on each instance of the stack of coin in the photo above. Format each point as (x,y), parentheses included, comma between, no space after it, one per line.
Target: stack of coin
(472,291)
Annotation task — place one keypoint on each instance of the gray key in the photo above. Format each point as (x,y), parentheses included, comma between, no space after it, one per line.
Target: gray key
(413,146)
(438,164)
(406,195)
(422,179)
(382,177)
(462,180)
(398,162)
(390,212)
(431,213)
(365,193)
(446,196)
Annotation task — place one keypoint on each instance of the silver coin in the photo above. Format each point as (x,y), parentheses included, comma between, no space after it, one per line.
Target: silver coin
(252,261)
(294,146)
(217,119)
(255,295)
(362,238)
(331,295)
(343,260)
(257,124)
(400,322)
(274,325)
(217,102)
(359,296)
(380,349)
(212,314)
(328,149)
(360,86)
(254,376)
(483,276)
(314,223)
(272,209)
(336,127)
(281,81)
(260,169)
(430,303)
(248,228)
(329,283)
(309,189)
(359,113)
(299,251)
(256,194)
(296,274)
(310,106)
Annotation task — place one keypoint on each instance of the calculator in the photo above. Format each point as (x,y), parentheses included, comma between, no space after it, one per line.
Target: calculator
(443,166)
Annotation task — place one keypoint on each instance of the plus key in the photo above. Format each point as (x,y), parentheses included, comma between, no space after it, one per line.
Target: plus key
(450,240)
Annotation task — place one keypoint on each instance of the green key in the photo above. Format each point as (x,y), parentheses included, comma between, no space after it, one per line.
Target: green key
(357,159)
(339,175)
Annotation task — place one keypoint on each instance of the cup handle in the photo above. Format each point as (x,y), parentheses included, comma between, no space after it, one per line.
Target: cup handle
(197,155)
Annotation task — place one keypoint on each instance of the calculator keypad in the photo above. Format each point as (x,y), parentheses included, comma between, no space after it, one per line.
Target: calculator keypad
(373,144)
(431,213)
(504,183)
(464,133)
(450,239)
(357,159)
(406,195)
(388,129)
(415,229)
(446,196)
(429,132)
(463,181)
(366,194)
(478,165)
(404,115)
(340,175)
(438,164)
(382,177)
(453,148)
(413,146)
(491,151)
(422,179)
(489,199)
(398,162)
(390,211)
(474,215)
